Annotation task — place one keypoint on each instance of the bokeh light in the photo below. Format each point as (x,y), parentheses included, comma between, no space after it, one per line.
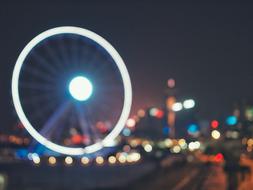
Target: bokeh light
(188,104)
(231,120)
(215,134)
(177,106)
(52,160)
(68,160)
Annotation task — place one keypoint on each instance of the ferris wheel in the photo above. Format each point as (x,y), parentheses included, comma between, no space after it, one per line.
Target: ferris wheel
(71,90)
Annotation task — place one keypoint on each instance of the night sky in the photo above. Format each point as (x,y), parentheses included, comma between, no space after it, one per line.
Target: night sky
(207,48)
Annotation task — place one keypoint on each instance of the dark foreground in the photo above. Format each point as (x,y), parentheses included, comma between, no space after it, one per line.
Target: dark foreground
(144,176)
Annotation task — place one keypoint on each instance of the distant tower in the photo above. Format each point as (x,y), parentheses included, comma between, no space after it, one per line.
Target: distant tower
(170,100)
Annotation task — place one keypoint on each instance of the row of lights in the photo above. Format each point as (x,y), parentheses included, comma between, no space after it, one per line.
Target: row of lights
(121,158)
(175,146)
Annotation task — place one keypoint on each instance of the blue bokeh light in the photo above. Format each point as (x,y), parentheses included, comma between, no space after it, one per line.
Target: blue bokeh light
(193,128)
(231,120)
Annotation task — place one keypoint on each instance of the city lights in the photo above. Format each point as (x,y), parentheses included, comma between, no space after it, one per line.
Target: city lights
(122,158)
(214,124)
(215,134)
(141,113)
(194,145)
(153,111)
(85,160)
(177,107)
(171,83)
(35,158)
(188,104)
(148,147)
(130,123)
(232,134)
(176,149)
(68,160)
(193,129)
(182,143)
(231,120)
(99,160)
(126,132)
(133,157)
(52,160)
(112,160)
(218,157)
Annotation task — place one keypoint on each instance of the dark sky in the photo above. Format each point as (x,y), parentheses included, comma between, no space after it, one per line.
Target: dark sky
(207,48)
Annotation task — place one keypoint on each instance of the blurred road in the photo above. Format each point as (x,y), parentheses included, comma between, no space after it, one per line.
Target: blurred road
(175,178)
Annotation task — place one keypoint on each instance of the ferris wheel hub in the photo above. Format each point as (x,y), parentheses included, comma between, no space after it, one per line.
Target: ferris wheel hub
(80,88)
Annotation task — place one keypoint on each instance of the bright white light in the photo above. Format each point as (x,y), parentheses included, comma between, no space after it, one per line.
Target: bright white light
(80,88)
(177,106)
(130,123)
(68,160)
(153,111)
(52,160)
(215,134)
(168,143)
(134,157)
(99,160)
(148,148)
(35,158)
(122,158)
(176,149)
(122,69)
(85,160)
(194,145)
(182,143)
(188,104)
(112,160)
(197,144)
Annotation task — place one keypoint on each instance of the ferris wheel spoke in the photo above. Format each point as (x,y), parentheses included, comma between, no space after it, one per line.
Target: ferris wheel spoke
(58,133)
(85,124)
(40,97)
(110,88)
(89,59)
(105,65)
(38,74)
(44,109)
(35,86)
(55,121)
(56,60)
(107,77)
(63,53)
(97,134)
(103,117)
(44,63)
(74,53)
(80,57)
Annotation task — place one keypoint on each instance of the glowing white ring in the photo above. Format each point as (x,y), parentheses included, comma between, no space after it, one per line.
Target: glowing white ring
(125,78)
